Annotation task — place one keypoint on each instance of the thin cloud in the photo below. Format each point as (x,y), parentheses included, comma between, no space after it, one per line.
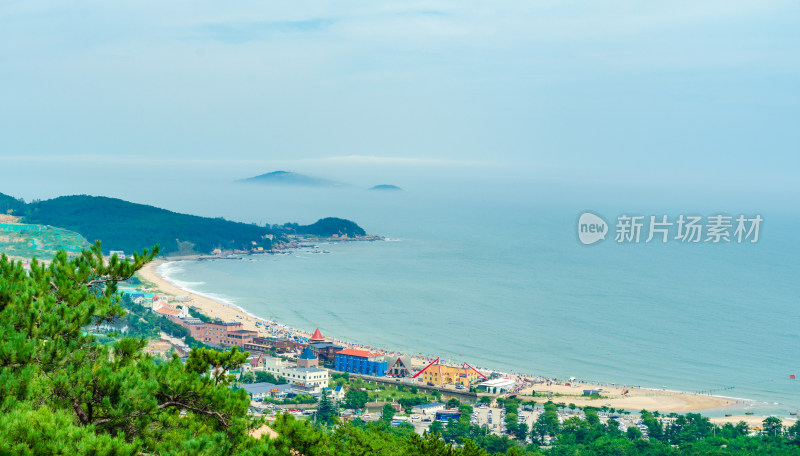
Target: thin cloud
(410,161)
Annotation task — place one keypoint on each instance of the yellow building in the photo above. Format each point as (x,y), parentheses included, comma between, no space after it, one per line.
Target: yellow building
(449,375)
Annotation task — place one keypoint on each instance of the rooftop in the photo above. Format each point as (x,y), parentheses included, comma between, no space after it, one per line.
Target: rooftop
(321,345)
(431,405)
(307,369)
(264,387)
(498,382)
(242,331)
(168,311)
(360,353)
(224,323)
(307,354)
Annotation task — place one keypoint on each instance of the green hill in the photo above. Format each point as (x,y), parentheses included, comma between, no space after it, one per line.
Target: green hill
(327,227)
(126,226)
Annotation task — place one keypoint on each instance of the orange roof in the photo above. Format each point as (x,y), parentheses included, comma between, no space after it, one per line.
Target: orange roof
(317,335)
(361,353)
(168,311)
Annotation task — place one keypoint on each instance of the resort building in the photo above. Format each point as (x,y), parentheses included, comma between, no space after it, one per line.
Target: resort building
(317,336)
(307,359)
(303,379)
(360,362)
(239,337)
(265,344)
(325,351)
(161,307)
(449,375)
(399,366)
(497,385)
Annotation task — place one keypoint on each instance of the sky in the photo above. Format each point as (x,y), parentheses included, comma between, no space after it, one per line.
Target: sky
(672,96)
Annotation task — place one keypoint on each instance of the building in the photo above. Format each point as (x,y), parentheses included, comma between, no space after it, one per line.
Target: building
(317,336)
(307,359)
(161,307)
(449,375)
(325,351)
(216,331)
(399,366)
(428,409)
(303,379)
(261,391)
(360,362)
(497,385)
(336,394)
(239,337)
(447,415)
(266,344)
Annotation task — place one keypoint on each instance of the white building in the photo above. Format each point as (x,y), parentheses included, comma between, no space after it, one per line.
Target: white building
(428,409)
(311,379)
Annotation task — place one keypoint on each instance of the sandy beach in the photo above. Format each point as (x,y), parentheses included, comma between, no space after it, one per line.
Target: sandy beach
(628,398)
(634,399)
(751,420)
(207,306)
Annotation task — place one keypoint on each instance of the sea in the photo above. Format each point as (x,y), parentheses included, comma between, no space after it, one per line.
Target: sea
(505,284)
(486,267)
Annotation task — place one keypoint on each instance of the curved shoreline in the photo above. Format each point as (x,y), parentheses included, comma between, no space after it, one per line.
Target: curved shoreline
(637,398)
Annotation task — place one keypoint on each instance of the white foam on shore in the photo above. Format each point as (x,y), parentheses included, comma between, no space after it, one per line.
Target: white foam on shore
(165,271)
(167,268)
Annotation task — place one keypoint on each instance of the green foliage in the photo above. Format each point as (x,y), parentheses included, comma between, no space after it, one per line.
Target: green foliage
(772,426)
(387,413)
(63,393)
(326,410)
(268,377)
(326,227)
(123,225)
(355,399)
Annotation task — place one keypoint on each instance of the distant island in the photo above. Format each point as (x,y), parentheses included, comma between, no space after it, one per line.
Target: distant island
(386,188)
(122,225)
(289,178)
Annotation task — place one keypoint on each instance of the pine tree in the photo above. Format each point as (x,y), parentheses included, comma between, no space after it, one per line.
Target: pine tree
(62,392)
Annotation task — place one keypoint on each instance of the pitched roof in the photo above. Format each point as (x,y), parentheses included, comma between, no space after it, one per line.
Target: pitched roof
(168,311)
(360,353)
(307,354)
(317,335)
(323,345)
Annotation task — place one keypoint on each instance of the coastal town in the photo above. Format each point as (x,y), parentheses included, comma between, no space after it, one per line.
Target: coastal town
(290,371)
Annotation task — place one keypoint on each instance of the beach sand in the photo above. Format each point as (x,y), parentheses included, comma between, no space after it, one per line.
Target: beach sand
(207,306)
(636,399)
(751,420)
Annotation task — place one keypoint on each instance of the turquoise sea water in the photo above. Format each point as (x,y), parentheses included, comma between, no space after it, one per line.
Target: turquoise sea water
(508,286)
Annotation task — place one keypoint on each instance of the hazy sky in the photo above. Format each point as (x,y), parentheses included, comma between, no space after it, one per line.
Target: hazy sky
(665,94)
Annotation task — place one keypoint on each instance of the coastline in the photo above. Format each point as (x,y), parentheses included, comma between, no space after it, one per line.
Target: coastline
(637,398)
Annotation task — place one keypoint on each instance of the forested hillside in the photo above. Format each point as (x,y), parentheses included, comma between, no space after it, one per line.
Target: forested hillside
(126,226)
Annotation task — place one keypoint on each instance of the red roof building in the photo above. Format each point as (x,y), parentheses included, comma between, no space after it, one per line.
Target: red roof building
(317,336)
(359,353)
